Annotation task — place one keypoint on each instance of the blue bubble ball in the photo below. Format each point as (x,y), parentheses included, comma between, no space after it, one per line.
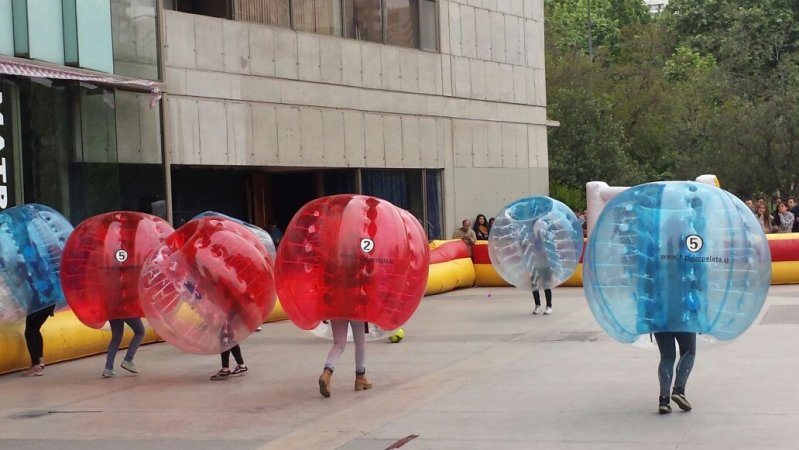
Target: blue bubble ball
(535,243)
(676,256)
(32,239)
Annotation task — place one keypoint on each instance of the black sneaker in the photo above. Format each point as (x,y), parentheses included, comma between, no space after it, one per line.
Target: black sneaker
(681,401)
(664,407)
(239,371)
(223,374)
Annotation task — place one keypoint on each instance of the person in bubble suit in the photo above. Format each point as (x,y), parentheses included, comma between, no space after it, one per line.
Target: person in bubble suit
(117,330)
(34,340)
(339,328)
(668,353)
(225,372)
(541,272)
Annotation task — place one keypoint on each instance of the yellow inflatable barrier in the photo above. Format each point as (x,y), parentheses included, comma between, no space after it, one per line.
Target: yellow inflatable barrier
(65,338)
(450,267)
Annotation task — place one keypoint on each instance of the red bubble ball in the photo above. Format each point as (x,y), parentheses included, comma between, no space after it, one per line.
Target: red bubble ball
(208,287)
(101,263)
(352,257)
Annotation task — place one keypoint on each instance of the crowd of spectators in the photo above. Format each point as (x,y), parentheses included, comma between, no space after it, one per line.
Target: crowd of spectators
(782,218)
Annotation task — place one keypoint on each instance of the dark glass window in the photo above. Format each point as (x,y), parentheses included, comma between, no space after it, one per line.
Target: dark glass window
(364,20)
(402,23)
(339,181)
(433,211)
(403,188)
(428,30)
(213,8)
(70,155)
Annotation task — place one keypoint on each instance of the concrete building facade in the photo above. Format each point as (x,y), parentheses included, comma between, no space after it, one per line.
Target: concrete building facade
(459,128)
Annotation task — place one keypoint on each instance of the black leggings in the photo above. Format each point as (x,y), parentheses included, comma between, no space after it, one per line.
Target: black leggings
(236,354)
(547,294)
(33,335)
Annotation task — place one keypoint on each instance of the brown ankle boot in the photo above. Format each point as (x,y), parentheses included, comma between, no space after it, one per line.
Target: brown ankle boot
(324,382)
(362,383)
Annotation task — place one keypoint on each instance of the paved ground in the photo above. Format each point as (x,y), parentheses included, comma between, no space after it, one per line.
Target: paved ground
(475,371)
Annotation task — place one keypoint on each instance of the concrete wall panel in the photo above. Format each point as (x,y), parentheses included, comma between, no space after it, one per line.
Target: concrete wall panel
(468,32)
(462,143)
(374,140)
(213,132)
(482,24)
(480,145)
(409,70)
(455,29)
(330,53)
(262,50)
(308,51)
(506,82)
(520,84)
(497,37)
(184,141)
(390,65)
(477,75)
(411,142)
(312,136)
(236,46)
(210,41)
(351,63)
(264,135)
(288,136)
(463,83)
(493,81)
(239,132)
(285,53)
(354,144)
(334,153)
(371,66)
(179,41)
(428,142)
(495,145)
(392,130)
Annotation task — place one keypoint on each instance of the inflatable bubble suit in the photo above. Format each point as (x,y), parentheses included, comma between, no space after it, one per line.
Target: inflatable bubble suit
(535,243)
(260,233)
(352,257)
(676,256)
(208,287)
(102,262)
(373,332)
(32,239)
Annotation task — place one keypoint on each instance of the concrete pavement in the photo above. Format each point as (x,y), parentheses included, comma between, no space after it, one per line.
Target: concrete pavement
(476,370)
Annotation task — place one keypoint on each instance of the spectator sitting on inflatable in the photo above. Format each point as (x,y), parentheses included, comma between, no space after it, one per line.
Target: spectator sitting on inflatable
(481,228)
(465,233)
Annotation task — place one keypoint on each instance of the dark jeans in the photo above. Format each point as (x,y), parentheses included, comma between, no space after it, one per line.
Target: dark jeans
(236,354)
(117,330)
(668,353)
(547,294)
(33,335)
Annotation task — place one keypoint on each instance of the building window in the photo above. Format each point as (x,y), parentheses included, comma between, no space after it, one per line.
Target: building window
(269,12)
(417,191)
(402,23)
(317,16)
(364,20)
(428,25)
(214,8)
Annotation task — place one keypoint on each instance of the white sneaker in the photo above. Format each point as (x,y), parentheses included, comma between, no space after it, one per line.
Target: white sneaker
(548,311)
(537,309)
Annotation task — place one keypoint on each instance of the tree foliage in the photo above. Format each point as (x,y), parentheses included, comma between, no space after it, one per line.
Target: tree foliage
(707,86)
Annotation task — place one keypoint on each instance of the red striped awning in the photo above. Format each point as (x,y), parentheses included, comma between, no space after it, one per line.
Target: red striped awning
(38,69)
